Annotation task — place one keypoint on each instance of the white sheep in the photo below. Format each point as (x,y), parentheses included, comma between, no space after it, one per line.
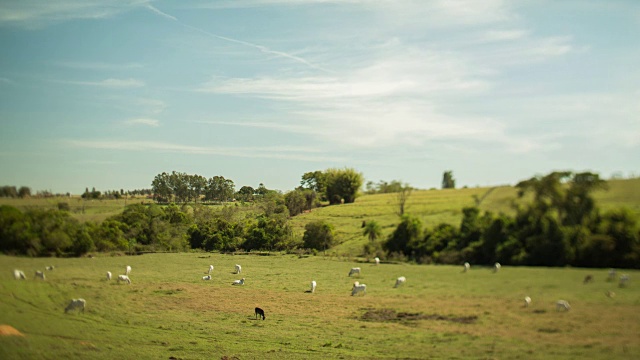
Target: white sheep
(612,275)
(127,271)
(19,274)
(238,269)
(124,278)
(400,281)
(207,277)
(313,286)
(76,304)
(496,267)
(467,266)
(50,267)
(238,282)
(562,305)
(108,275)
(210,269)
(40,274)
(377,260)
(624,279)
(358,288)
(527,301)
(355,270)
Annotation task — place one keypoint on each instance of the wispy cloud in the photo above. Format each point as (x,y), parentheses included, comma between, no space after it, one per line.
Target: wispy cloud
(107,83)
(36,14)
(276,152)
(143,121)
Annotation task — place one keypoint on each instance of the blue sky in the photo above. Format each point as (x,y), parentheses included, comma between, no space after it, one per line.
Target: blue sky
(108,94)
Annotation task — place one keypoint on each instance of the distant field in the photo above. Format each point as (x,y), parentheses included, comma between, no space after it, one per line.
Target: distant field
(440,312)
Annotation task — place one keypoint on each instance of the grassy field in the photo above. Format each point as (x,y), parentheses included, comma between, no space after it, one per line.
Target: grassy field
(169,312)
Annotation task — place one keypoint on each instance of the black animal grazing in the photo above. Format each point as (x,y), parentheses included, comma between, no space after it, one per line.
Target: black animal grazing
(259,312)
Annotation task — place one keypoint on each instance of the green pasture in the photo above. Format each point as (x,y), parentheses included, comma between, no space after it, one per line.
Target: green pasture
(170,312)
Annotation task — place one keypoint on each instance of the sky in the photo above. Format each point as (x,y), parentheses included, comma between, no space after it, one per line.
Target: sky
(108,94)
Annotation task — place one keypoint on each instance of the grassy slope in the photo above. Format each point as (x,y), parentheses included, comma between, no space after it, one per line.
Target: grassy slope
(170,311)
(438,206)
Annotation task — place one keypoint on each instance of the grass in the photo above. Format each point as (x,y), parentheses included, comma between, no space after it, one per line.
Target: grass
(168,311)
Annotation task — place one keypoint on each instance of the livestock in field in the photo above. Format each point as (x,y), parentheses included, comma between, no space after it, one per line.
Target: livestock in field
(400,281)
(76,304)
(19,274)
(355,270)
(238,282)
(562,305)
(259,312)
(496,267)
(624,279)
(210,269)
(206,277)
(124,278)
(466,268)
(527,301)
(612,275)
(238,269)
(377,260)
(127,270)
(358,288)
(50,268)
(313,286)
(108,275)
(587,279)
(40,274)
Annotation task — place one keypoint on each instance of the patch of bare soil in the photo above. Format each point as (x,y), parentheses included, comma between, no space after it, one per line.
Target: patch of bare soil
(383,315)
(7,330)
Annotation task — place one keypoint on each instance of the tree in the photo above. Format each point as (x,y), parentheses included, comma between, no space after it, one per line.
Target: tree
(407,231)
(448,182)
(296,201)
(372,230)
(160,188)
(219,189)
(342,185)
(24,191)
(314,180)
(318,235)
(403,194)
(245,193)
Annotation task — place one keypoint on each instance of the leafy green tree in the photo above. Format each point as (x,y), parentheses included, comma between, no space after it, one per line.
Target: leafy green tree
(448,182)
(24,192)
(342,185)
(372,230)
(246,193)
(161,189)
(295,201)
(220,189)
(408,231)
(318,235)
(314,180)
(197,186)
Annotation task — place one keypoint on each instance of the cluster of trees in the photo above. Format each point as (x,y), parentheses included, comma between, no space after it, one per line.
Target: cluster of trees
(334,185)
(383,187)
(560,226)
(182,188)
(13,192)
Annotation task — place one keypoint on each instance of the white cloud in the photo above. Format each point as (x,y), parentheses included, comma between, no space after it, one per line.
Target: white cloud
(143,121)
(275,152)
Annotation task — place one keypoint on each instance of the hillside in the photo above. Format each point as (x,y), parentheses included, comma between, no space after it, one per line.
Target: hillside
(438,206)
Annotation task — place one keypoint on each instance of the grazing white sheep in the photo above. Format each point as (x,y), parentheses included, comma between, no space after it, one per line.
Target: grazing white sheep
(467,266)
(624,279)
(210,269)
(19,274)
(563,305)
(496,267)
(124,278)
(610,294)
(313,286)
(238,282)
(108,275)
(40,274)
(612,275)
(50,267)
(527,301)
(355,270)
(127,271)
(238,269)
(377,260)
(207,277)
(400,281)
(358,288)
(76,304)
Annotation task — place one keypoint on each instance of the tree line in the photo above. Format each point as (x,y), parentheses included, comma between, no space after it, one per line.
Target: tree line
(561,225)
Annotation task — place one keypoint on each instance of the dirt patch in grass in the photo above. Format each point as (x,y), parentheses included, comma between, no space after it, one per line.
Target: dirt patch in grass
(7,330)
(390,315)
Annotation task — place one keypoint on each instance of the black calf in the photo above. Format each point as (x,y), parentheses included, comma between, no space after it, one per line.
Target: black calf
(259,312)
